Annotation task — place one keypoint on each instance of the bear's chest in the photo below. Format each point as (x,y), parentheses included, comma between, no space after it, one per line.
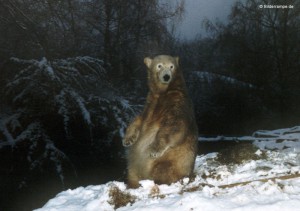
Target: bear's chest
(155,111)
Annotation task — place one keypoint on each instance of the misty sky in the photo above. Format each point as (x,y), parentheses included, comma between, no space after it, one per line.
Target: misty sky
(197,10)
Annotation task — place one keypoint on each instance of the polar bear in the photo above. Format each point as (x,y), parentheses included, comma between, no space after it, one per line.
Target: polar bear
(162,140)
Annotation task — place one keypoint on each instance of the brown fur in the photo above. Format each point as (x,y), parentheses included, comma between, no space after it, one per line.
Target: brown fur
(162,140)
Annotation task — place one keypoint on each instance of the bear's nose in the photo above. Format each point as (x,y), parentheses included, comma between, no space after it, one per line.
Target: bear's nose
(166,78)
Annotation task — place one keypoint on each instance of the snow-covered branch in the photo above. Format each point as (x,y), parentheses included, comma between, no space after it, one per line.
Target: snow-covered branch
(66,100)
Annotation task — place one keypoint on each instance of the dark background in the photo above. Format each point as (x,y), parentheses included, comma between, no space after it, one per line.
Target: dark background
(72,77)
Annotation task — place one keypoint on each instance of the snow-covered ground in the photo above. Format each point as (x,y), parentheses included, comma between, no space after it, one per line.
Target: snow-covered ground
(269,179)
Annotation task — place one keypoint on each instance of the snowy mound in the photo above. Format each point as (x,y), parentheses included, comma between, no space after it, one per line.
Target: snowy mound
(270,179)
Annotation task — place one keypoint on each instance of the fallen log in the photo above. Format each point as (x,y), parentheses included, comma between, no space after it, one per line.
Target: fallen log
(285,177)
(201,185)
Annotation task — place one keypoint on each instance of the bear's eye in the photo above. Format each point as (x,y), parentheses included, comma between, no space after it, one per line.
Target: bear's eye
(159,66)
(172,66)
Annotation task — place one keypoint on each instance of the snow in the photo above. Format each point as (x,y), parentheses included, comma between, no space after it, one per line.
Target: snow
(270,182)
(210,77)
(44,65)
(5,121)
(81,103)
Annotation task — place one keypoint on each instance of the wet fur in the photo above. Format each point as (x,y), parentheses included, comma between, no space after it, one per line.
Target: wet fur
(162,141)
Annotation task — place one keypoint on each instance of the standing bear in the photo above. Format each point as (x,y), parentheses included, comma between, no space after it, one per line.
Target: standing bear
(162,140)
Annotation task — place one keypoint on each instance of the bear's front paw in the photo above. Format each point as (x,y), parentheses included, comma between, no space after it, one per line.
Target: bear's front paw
(155,154)
(128,141)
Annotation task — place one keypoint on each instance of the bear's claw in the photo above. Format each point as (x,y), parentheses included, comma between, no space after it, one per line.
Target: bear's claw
(155,154)
(129,141)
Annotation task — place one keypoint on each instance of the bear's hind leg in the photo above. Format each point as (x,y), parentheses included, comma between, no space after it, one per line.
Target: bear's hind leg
(164,172)
(132,179)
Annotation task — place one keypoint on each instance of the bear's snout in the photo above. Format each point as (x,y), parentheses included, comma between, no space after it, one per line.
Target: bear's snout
(165,76)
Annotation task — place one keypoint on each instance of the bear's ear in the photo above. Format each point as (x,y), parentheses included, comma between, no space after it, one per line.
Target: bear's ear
(177,61)
(148,62)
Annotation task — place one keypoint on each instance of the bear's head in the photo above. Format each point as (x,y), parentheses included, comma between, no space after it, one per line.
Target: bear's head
(162,70)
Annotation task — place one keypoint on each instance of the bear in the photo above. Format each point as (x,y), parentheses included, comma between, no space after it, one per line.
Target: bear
(162,140)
